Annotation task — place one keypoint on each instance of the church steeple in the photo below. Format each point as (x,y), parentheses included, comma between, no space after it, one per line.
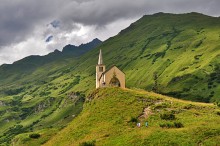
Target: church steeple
(100,61)
(100,68)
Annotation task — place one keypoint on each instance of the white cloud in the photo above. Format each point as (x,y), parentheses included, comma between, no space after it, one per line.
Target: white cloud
(32,46)
(36,44)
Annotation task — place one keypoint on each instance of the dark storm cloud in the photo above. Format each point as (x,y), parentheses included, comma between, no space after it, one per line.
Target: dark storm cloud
(101,12)
(19,18)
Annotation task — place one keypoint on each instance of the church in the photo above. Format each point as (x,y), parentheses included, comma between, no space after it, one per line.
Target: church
(113,77)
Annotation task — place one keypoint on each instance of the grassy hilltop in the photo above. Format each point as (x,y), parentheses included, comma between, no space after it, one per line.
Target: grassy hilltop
(181,52)
(109,118)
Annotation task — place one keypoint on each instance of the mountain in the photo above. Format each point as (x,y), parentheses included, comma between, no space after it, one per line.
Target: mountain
(180,51)
(24,67)
(171,54)
(81,49)
(110,116)
(26,104)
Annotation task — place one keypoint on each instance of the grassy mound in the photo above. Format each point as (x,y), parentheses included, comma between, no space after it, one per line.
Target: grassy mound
(110,116)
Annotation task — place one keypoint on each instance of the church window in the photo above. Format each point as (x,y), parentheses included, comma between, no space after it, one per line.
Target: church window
(100,69)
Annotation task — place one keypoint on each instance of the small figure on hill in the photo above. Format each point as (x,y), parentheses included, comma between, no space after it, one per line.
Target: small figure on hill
(146,124)
(139,124)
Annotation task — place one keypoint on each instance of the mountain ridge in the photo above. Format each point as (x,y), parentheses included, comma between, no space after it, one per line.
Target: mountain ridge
(94,43)
(30,64)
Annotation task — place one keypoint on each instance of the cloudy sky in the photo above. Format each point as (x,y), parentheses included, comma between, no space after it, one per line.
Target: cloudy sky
(31,27)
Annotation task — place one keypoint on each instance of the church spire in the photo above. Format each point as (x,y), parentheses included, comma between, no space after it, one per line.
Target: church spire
(100,61)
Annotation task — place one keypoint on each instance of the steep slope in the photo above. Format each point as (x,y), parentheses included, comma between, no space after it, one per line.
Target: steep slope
(110,115)
(30,97)
(181,52)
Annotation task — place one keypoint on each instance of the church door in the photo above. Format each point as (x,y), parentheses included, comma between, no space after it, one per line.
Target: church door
(114,82)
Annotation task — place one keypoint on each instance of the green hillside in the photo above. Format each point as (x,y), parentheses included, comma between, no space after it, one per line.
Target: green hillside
(180,52)
(34,93)
(110,115)
(31,66)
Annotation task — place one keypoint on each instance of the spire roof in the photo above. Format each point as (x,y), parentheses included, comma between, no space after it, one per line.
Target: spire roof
(100,61)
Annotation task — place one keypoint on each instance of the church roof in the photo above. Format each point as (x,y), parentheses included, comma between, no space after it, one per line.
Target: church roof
(110,69)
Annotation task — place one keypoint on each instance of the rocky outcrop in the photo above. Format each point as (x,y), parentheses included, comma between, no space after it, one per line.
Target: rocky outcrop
(2,103)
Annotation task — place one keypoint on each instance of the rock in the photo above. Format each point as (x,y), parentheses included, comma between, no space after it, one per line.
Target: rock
(2,103)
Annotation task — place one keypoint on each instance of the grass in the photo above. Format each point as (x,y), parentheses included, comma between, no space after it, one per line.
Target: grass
(26,139)
(38,113)
(106,119)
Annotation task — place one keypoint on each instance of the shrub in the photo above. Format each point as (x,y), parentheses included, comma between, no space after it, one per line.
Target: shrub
(167,116)
(88,143)
(34,135)
(189,106)
(171,125)
(15,130)
(133,120)
(45,93)
(218,113)
(14,91)
(198,44)
(217,103)
(166,125)
(178,125)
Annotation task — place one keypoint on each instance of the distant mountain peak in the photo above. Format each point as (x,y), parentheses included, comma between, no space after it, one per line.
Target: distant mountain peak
(83,47)
(96,39)
(57,51)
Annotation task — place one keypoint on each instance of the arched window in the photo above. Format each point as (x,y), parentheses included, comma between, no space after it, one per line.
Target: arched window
(114,82)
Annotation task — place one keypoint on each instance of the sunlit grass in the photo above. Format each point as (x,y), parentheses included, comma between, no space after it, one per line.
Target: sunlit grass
(106,119)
